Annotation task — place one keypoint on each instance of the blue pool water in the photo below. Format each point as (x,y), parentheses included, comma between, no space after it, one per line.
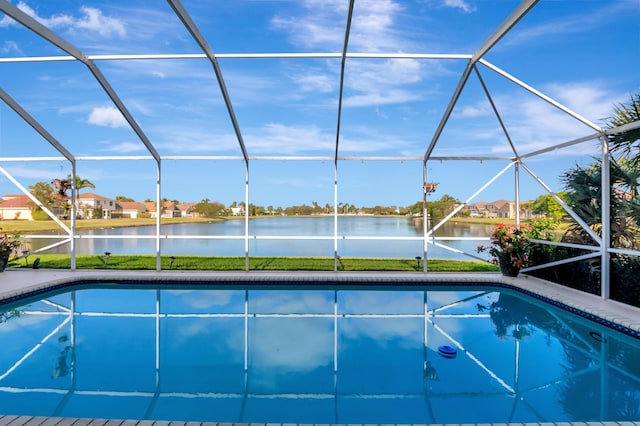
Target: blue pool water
(314,355)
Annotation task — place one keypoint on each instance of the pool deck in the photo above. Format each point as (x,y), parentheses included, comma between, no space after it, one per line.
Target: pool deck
(53,421)
(14,283)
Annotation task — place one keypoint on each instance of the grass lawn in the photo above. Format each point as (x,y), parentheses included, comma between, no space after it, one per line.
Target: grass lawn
(148,262)
(31,226)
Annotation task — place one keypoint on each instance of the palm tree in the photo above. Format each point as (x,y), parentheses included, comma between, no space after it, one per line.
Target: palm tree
(81,184)
(584,184)
(626,143)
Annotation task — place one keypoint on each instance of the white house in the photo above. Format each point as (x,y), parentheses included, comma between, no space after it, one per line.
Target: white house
(15,207)
(187,209)
(169,209)
(130,209)
(89,203)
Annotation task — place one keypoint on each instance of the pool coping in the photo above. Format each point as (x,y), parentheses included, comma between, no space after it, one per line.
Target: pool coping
(19,283)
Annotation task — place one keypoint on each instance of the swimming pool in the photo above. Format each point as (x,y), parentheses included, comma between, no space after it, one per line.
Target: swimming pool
(314,355)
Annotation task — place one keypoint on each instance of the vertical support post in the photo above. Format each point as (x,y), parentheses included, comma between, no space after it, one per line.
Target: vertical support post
(158,214)
(605,267)
(517,188)
(74,214)
(335,216)
(425,218)
(246,216)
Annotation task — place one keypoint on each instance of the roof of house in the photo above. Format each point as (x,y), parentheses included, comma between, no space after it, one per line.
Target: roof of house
(91,196)
(499,203)
(131,205)
(186,206)
(15,201)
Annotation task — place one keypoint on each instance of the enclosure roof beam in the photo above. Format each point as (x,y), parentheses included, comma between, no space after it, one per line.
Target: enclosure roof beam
(35,125)
(35,26)
(504,28)
(629,127)
(447,113)
(342,64)
(291,55)
(202,42)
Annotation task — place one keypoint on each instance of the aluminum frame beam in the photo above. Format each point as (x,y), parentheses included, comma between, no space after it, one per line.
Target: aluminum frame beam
(503,29)
(191,26)
(318,55)
(343,61)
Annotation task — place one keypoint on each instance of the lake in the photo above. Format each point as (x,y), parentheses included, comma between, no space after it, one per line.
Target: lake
(282,236)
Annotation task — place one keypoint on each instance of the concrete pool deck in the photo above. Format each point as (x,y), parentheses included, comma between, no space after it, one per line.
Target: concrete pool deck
(17,282)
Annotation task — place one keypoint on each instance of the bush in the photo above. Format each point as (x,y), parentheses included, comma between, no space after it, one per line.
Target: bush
(40,215)
(625,281)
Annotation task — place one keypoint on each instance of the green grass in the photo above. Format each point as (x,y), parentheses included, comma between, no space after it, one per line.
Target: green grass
(31,226)
(148,262)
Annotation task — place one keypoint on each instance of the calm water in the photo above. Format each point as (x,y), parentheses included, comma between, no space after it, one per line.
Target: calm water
(285,226)
(313,356)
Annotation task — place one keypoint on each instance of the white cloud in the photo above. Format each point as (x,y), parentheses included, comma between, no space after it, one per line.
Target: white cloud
(377,83)
(580,22)
(125,147)
(381,98)
(6,21)
(94,20)
(40,173)
(460,4)
(374,29)
(198,299)
(473,111)
(289,139)
(107,116)
(536,120)
(531,122)
(322,24)
(91,19)
(315,81)
(10,46)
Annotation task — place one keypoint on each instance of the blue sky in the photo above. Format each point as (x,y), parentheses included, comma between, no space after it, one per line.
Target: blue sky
(584,54)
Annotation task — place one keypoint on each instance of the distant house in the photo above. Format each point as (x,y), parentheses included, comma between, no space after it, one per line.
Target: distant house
(169,209)
(187,209)
(89,204)
(151,208)
(501,209)
(130,209)
(237,211)
(15,207)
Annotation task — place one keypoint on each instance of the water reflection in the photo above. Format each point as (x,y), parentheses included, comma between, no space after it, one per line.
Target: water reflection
(228,243)
(313,356)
